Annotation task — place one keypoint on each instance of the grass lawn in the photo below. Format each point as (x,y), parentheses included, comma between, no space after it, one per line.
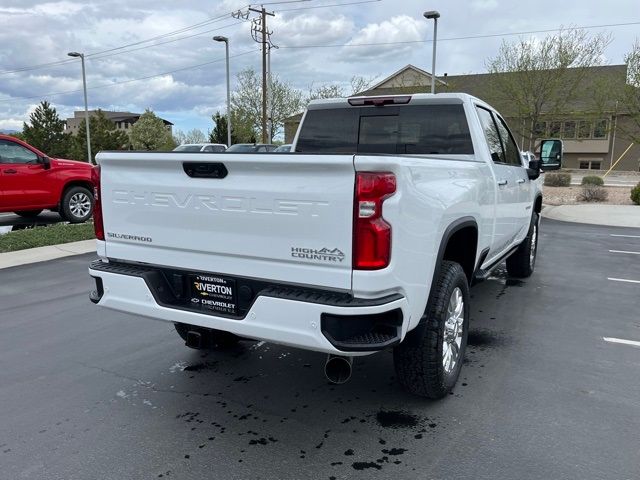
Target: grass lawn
(42,236)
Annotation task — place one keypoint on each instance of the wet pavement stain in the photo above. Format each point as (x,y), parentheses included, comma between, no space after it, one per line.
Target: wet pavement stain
(483,338)
(397,419)
(365,465)
(394,451)
(200,366)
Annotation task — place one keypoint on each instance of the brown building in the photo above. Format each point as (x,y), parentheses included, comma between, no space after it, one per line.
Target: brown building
(122,120)
(591,140)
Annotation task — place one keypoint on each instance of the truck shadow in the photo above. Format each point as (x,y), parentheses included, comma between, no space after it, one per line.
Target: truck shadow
(11,222)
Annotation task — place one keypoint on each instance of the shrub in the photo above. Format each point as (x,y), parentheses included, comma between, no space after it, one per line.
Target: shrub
(635,194)
(592,180)
(592,193)
(557,179)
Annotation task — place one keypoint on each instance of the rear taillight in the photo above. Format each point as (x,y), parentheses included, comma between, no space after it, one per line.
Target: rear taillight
(371,233)
(98,225)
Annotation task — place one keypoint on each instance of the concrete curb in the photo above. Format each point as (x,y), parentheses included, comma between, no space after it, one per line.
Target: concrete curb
(608,215)
(42,254)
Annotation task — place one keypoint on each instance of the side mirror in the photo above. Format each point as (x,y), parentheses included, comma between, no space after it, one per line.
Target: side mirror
(551,154)
(533,172)
(46,162)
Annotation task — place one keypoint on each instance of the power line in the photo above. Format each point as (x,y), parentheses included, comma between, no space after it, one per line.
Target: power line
(139,42)
(165,42)
(326,6)
(165,35)
(107,85)
(470,37)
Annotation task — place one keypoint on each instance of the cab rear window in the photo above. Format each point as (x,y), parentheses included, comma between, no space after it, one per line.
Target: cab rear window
(411,129)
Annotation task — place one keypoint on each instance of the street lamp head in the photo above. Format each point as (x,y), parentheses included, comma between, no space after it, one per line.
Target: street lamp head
(220,38)
(431,14)
(74,54)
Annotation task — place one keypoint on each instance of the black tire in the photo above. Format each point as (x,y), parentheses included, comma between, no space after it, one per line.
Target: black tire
(522,263)
(76,205)
(211,339)
(29,213)
(418,360)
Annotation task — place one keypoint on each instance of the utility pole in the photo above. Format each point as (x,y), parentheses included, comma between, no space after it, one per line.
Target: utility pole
(261,35)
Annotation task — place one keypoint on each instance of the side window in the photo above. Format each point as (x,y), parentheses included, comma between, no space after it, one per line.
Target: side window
(208,148)
(11,152)
(510,148)
(492,135)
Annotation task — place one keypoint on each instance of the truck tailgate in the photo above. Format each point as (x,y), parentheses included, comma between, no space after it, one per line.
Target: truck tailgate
(280,217)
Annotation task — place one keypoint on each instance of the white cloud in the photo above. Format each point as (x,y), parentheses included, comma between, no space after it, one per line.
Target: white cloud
(398,29)
(62,9)
(484,4)
(309,29)
(401,28)
(11,124)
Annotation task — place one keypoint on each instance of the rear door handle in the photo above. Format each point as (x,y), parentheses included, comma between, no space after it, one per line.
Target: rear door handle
(520,180)
(502,182)
(10,170)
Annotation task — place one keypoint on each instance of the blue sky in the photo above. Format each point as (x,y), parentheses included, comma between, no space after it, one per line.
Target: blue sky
(37,35)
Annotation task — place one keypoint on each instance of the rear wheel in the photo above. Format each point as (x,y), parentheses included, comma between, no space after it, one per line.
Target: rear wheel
(429,360)
(77,204)
(29,213)
(210,338)
(523,261)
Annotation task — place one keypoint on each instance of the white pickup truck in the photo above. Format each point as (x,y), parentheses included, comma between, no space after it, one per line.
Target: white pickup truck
(367,237)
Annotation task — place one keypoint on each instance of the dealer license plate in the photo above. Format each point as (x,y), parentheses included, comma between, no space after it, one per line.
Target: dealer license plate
(214,294)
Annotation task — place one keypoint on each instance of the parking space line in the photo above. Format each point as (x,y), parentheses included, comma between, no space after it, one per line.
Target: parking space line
(625,236)
(624,251)
(621,340)
(623,280)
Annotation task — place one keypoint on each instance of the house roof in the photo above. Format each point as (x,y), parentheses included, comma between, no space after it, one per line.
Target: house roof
(407,68)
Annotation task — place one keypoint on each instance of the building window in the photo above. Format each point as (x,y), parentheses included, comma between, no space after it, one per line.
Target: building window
(540,130)
(584,129)
(601,128)
(590,164)
(554,129)
(569,130)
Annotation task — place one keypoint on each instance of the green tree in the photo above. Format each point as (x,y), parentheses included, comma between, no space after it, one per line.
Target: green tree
(531,79)
(219,132)
(104,136)
(192,136)
(45,131)
(630,95)
(358,84)
(246,102)
(242,129)
(150,133)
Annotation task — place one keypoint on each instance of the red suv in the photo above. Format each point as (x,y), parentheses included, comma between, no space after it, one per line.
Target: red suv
(31,182)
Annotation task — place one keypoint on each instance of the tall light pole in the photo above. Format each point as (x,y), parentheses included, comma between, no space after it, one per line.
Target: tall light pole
(435,16)
(219,38)
(86,103)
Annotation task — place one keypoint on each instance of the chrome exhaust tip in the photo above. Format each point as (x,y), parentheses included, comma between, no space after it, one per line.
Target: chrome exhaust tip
(338,369)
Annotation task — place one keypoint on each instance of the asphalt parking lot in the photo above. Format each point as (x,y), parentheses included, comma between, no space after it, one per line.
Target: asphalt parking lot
(87,393)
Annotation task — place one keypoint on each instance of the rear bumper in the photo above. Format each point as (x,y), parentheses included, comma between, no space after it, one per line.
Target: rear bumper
(309,319)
